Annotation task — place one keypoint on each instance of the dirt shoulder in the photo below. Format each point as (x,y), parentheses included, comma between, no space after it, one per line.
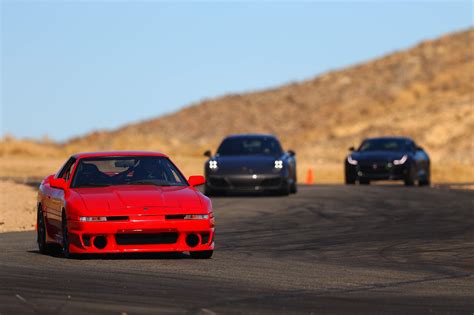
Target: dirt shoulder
(17,207)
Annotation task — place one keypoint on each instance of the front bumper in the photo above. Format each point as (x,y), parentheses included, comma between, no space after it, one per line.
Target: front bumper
(246,182)
(377,171)
(140,234)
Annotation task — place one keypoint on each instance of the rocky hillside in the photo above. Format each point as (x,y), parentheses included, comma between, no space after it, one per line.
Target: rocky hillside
(425,92)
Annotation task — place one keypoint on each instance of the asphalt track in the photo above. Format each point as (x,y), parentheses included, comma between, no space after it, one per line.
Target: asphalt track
(329,249)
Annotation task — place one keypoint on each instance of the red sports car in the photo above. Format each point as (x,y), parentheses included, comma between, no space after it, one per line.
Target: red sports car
(118,202)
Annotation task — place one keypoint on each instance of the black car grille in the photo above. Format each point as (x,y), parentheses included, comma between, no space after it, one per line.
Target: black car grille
(218,182)
(144,239)
(244,183)
(271,182)
(375,168)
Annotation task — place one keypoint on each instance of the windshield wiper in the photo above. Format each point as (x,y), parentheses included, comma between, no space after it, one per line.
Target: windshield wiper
(93,185)
(145,182)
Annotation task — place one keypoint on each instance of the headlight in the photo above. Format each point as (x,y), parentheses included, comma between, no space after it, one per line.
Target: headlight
(92,219)
(279,164)
(401,161)
(351,161)
(196,217)
(213,165)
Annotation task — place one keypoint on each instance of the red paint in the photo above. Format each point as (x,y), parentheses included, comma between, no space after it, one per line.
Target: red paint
(142,209)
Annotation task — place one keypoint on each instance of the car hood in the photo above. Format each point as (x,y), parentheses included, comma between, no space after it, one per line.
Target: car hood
(138,199)
(379,156)
(246,164)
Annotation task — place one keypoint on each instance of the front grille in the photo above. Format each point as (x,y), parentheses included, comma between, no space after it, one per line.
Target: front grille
(380,168)
(117,218)
(271,182)
(218,182)
(244,183)
(145,239)
(205,238)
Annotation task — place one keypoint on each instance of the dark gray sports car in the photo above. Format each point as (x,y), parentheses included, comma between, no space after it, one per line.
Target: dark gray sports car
(250,163)
(388,158)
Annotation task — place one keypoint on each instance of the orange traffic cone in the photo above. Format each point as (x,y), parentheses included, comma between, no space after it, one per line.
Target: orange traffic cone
(309,177)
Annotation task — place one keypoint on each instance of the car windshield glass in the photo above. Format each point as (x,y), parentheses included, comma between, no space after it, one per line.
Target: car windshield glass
(250,146)
(130,170)
(383,145)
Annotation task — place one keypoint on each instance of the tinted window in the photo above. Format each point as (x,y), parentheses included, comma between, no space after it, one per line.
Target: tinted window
(110,171)
(250,146)
(385,145)
(65,171)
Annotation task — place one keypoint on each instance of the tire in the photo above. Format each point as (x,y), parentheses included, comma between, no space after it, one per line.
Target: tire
(285,190)
(350,180)
(204,254)
(294,187)
(65,242)
(425,182)
(43,247)
(208,192)
(364,181)
(410,178)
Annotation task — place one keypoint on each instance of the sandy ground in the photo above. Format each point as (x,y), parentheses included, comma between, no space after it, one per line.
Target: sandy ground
(17,207)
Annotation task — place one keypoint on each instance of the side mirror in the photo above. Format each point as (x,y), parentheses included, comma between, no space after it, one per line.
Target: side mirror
(208,153)
(291,152)
(351,149)
(418,148)
(59,183)
(196,181)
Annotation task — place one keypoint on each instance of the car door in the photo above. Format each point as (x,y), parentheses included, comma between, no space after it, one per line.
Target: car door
(56,201)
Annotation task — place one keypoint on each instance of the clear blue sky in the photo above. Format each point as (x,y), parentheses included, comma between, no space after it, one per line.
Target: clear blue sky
(72,67)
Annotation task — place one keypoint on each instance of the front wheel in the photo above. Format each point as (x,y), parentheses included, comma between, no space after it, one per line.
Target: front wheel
(364,181)
(285,190)
(203,254)
(294,187)
(43,247)
(65,242)
(350,180)
(410,178)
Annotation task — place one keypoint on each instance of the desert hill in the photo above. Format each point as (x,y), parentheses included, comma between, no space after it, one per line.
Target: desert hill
(425,92)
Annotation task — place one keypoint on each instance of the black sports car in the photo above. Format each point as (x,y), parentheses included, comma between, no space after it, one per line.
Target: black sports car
(388,158)
(250,163)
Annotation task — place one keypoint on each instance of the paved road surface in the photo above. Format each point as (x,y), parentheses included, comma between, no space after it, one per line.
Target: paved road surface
(329,249)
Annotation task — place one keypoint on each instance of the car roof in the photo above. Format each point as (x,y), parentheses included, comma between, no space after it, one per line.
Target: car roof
(250,135)
(117,153)
(389,138)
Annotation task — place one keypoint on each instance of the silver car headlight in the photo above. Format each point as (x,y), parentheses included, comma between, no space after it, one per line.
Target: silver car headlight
(351,161)
(401,161)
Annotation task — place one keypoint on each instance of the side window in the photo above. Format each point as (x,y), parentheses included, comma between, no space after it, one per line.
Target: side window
(65,172)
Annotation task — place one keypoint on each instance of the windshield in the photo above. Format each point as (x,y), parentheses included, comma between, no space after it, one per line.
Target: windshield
(384,145)
(250,146)
(136,170)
